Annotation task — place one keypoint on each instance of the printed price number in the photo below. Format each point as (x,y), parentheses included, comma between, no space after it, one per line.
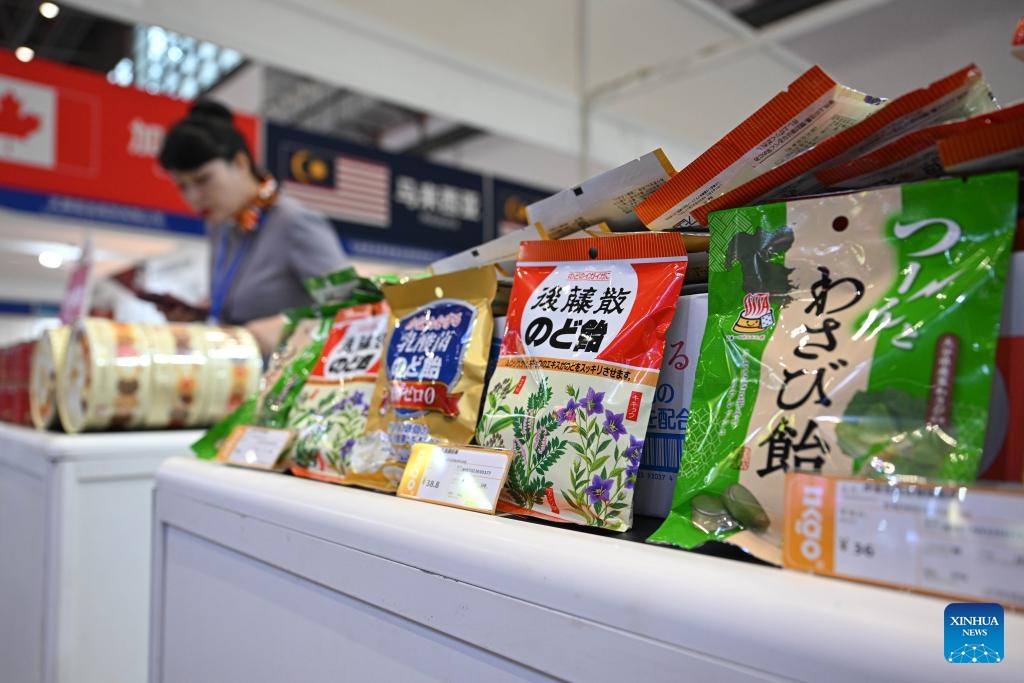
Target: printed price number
(464,477)
(857,548)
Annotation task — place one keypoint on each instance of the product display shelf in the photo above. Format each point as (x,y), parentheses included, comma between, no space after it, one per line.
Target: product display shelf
(75,523)
(261,577)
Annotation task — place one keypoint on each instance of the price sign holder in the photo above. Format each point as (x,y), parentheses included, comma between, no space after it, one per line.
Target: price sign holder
(956,541)
(456,476)
(256,447)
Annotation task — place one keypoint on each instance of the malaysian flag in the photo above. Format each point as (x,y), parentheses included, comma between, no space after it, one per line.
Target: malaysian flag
(353,190)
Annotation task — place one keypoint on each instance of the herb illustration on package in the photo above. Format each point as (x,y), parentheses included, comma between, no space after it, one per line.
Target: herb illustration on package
(846,334)
(331,409)
(572,392)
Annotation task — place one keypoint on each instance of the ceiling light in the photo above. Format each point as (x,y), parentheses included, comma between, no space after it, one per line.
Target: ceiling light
(50,259)
(157,39)
(24,53)
(49,10)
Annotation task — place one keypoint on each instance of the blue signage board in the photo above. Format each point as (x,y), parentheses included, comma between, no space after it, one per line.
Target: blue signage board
(388,206)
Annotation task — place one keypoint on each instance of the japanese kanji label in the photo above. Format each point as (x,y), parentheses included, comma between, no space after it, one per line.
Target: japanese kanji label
(331,410)
(429,388)
(579,364)
(846,334)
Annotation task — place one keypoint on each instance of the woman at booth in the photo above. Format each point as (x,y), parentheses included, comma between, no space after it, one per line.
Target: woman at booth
(262,244)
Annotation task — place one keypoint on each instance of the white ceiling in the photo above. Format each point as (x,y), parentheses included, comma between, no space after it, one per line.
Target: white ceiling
(674,73)
(904,44)
(24,236)
(670,73)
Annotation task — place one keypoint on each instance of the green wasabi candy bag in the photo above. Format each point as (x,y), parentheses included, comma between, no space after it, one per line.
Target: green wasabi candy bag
(850,333)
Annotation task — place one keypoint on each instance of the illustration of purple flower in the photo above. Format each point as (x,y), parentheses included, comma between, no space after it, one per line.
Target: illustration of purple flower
(540,443)
(568,413)
(346,447)
(517,449)
(358,398)
(634,450)
(593,402)
(599,490)
(631,471)
(613,424)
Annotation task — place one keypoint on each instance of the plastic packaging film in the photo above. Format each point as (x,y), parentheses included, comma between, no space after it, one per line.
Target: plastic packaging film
(815,359)
(810,110)
(573,388)
(432,379)
(961,94)
(330,411)
(47,359)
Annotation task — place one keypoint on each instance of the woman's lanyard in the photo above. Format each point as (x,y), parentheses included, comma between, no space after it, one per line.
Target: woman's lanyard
(223,277)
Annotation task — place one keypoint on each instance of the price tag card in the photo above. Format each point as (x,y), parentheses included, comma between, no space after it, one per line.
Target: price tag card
(457,476)
(257,447)
(958,541)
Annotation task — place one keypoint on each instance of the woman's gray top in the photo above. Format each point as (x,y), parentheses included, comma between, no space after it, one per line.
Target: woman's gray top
(291,244)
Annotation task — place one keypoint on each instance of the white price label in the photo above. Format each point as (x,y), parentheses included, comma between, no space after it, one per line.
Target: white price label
(259,447)
(463,477)
(957,541)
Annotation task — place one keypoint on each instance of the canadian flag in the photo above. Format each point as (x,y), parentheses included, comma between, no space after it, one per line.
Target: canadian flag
(27,123)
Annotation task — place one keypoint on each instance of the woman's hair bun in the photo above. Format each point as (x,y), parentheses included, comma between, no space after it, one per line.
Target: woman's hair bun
(210,109)
(207,133)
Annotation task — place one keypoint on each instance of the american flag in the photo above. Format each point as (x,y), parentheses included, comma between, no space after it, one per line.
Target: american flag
(360,192)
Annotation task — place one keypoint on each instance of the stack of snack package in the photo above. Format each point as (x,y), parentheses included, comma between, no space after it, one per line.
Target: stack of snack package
(852,333)
(565,325)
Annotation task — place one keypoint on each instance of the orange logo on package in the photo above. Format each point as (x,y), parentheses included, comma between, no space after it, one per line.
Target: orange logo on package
(757,315)
(809,534)
(633,408)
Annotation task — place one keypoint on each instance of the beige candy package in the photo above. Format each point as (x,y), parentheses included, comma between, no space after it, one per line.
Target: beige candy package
(813,108)
(961,94)
(611,197)
(432,375)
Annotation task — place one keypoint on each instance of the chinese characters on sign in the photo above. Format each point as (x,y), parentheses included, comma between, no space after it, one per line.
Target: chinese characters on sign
(446,200)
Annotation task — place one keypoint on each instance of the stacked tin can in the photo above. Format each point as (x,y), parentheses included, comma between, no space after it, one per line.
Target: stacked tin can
(14,382)
(132,376)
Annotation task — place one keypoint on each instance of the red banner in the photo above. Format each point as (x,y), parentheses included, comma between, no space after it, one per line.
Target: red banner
(424,396)
(68,131)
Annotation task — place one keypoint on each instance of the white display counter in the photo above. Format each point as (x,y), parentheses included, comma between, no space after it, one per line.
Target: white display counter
(264,577)
(75,523)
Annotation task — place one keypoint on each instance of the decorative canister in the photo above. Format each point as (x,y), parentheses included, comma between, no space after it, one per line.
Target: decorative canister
(106,378)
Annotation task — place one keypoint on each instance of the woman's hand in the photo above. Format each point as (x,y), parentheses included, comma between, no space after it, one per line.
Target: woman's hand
(177,312)
(267,331)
